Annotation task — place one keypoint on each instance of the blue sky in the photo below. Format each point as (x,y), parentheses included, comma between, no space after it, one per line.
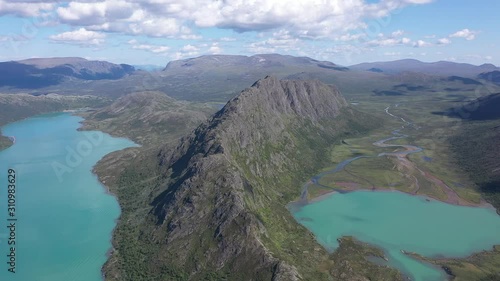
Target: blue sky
(342,31)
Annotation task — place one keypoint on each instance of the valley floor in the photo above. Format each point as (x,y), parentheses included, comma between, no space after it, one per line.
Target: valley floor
(422,162)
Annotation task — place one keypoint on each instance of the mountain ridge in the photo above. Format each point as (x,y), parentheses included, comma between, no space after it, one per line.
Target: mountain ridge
(217,140)
(258,60)
(217,210)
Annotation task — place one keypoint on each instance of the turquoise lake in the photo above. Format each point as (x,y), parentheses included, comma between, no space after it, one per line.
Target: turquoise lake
(64,215)
(396,221)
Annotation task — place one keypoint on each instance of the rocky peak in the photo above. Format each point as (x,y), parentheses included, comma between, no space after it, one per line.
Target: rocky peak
(214,178)
(310,99)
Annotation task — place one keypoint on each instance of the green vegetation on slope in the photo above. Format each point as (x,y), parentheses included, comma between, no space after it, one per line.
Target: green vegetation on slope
(272,190)
(475,147)
(148,118)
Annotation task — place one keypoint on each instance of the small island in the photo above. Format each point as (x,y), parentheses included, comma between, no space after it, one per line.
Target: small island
(5,142)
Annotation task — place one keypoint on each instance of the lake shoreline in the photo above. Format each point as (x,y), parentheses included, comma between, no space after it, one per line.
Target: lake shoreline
(327,193)
(367,207)
(98,210)
(102,182)
(107,191)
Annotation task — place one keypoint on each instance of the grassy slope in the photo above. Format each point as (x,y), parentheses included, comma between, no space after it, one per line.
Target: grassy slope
(148,118)
(475,147)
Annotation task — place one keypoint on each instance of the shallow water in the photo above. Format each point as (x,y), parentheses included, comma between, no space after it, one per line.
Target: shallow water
(396,221)
(64,215)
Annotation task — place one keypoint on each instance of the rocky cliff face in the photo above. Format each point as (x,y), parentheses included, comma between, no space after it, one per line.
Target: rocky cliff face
(219,208)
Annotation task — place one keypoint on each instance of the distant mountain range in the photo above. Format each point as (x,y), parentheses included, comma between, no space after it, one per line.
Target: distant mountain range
(262,61)
(221,77)
(226,75)
(443,68)
(44,72)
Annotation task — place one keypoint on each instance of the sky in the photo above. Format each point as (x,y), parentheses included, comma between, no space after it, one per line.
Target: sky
(346,32)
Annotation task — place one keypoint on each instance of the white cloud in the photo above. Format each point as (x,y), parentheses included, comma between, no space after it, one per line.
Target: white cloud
(152,48)
(157,49)
(465,33)
(421,43)
(79,37)
(281,40)
(406,41)
(215,49)
(183,55)
(443,41)
(350,37)
(189,48)
(388,42)
(171,18)
(190,37)
(397,33)
(24,8)
(227,39)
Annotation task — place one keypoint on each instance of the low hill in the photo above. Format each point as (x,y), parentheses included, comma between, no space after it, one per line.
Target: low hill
(147,117)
